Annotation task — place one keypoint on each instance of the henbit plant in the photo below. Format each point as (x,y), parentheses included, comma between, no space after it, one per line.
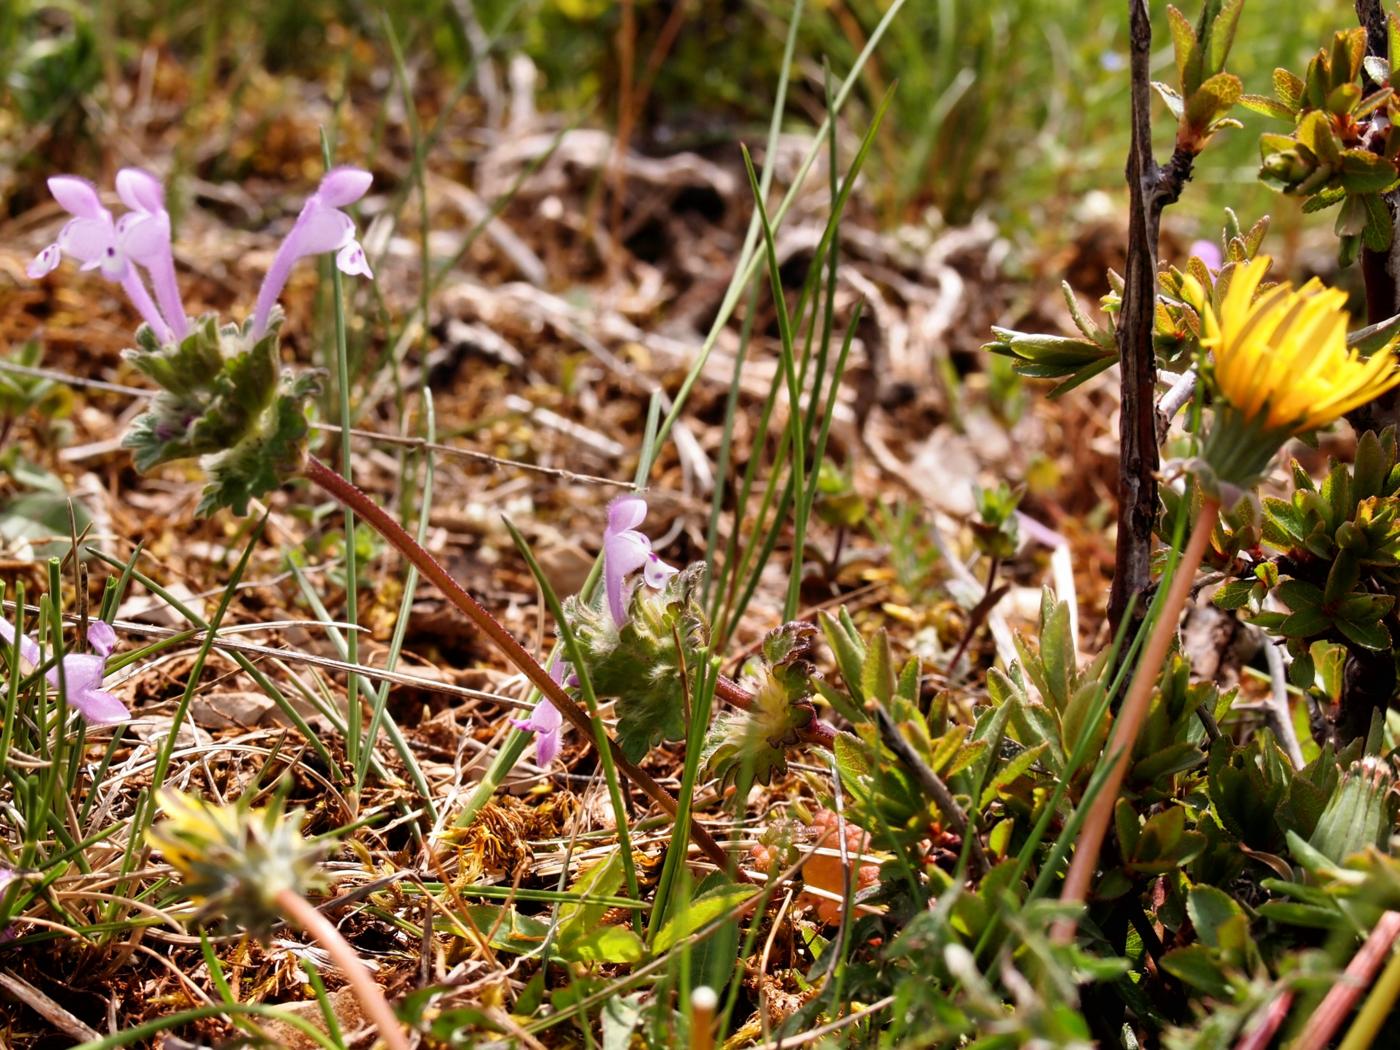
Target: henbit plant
(225,398)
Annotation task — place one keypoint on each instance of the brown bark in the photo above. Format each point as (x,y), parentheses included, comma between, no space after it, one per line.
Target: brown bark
(1151,187)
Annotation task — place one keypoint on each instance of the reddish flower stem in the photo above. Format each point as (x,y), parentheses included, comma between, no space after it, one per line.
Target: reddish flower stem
(1360,972)
(371,997)
(347,493)
(1130,718)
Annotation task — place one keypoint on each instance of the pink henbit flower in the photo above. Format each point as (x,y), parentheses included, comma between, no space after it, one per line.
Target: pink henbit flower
(321,227)
(99,243)
(1209,253)
(144,235)
(545,721)
(625,550)
(82,673)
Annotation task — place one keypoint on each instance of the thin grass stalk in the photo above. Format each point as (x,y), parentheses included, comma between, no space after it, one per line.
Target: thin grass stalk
(199,1013)
(726,445)
(797,439)
(1366,1029)
(353,714)
(1335,1006)
(410,583)
(348,962)
(700,706)
(748,257)
(1132,715)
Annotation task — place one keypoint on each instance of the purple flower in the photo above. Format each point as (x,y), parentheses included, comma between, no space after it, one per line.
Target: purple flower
(82,672)
(625,550)
(545,721)
(92,238)
(321,227)
(1209,253)
(144,236)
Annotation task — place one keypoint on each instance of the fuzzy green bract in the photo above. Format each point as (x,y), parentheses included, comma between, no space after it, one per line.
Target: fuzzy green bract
(640,663)
(758,739)
(226,399)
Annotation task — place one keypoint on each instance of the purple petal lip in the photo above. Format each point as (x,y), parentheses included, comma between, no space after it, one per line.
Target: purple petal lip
(76,196)
(139,190)
(344,185)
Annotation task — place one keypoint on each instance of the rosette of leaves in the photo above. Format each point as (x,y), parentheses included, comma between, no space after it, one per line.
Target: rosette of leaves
(648,664)
(780,679)
(225,399)
(1068,693)
(1339,568)
(1343,146)
(1205,93)
(881,796)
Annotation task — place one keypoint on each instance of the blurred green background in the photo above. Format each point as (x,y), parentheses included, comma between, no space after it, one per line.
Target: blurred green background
(1015,108)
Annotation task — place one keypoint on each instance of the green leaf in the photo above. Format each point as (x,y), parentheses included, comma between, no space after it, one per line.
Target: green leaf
(1267,107)
(702,911)
(1195,966)
(640,664)
(1212,99)
(1210,909)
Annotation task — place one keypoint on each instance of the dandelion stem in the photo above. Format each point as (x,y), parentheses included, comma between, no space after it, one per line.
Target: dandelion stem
(1131,717)
(297,908)
(1326,1019)
(348,494)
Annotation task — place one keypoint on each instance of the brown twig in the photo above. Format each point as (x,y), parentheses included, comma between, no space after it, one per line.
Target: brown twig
(1151,187)
(348,493)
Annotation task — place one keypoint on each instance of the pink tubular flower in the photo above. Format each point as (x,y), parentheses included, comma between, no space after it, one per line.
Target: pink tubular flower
(545,721)
(144,236)
(92,238)
(82,673)
(625,550)
(321,227)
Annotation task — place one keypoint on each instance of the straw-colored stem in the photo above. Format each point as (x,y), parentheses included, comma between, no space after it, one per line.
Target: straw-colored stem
(371,997)
(1131,716)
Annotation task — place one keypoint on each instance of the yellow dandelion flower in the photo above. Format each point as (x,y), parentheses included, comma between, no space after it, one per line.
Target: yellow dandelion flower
(1281,367)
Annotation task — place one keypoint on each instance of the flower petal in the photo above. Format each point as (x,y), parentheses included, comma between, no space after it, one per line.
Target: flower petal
(623,553)
(342,186)
(144,236)
(28,648)
(77,196)
(45,262)
(656,572)
(88,240)
(101,637)
(321,230)
(140,190)
(351,260)
(626,512)
(82,677)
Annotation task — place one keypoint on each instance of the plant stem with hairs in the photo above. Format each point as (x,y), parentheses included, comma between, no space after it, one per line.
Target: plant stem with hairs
(367,991)
(1131,716)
